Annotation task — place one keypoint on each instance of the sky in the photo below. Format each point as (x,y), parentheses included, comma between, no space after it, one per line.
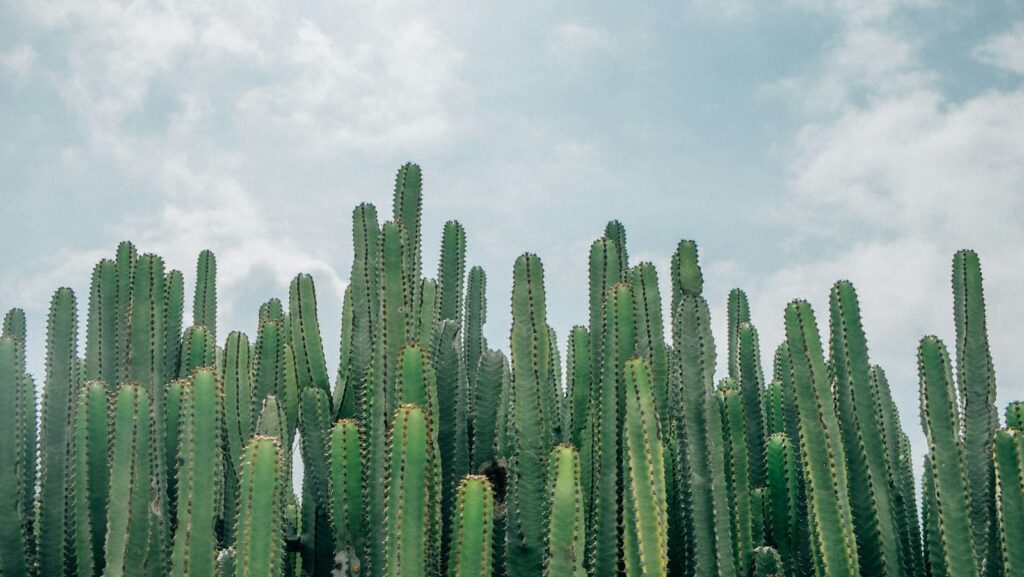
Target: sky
(798,142)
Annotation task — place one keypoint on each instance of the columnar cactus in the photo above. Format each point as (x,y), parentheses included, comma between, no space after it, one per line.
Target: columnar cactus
(408,546)
(204,302)
(317,532)
(650,330)
(738,312)
(474,343)
(737,472)
(1009,457)
(565,533)
(492,370)
(579,383)
(91,477)
(784,519)
(346,472)
(472,529)
(260,538)
(13,540)
(305,330)
(750,381)
(451,271)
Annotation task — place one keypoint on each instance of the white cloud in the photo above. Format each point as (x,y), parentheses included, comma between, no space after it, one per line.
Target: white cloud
(573,39)
(19,61)
(1004,51)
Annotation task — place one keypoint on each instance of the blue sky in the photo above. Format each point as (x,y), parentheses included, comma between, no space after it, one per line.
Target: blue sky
(798,142)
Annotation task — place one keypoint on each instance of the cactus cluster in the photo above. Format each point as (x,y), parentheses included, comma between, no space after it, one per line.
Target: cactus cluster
(157,449)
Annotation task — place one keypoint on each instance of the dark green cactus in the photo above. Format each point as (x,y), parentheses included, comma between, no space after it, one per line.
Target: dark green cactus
(750,381)
(758,516)
(976,382)
(91,477)
(200,476)
(565,533)
(14,558)
(345,394)
(259,529)
(934,556)
(267,363)
(532,420)
(407,210)
(474,343)
(23,416)
(124,263)
(783,519)
(645,514)
(1009,456)
(427,319)
(101,327)
(834,545)
(305,334)
(940,420)
(616,232)
(453,402)
(204,302)
(738,312)
(317,532)
(485,424)
(737,472)
(863,436)
(767,563)
(409,550)
(774,412)
(472,529)
(130,516)
(579,382)
(650,330)
(174,302)
(604,272)
(451,272)
(365,299)
(59,394)
(346,472)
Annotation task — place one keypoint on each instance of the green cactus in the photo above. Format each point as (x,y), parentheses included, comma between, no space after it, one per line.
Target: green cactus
(259,529)
(101,327)
(267,362)
(345,394)
(934,556)
(766,563)
(365,299)
(758,516)
(14,558)
(774,413)
(271,310)
(645,515)
(940,420)
(579,382)
(1015,415)
(1009,455)
(783,519)
(23,416)
(834,545)
(409,550)
(130,516)
(474,343)
(750,381)
(204,303)
(565,533)
(532,420)
(650,330)
(124,263)
(451,271)
(55,432)
(976,381)
(472,529)
(452,401)
(91,477)
(604,272)
(863,436)
(427,319)
(407,211)
(200,476)
(485,424)
(317,532)
(305,334)
(738,474)
(601,458)
(738,312)
(615,232)
(174,302)
(346,472)
(198,349)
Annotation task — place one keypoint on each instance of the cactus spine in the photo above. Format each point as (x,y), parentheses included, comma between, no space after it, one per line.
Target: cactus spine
(260,544)
(346,471)
(408,544)
(566,535)
(472,529)
(305,334)
(737,472)
(204,304)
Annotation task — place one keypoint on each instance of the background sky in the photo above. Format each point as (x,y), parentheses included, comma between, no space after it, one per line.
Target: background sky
(798,141)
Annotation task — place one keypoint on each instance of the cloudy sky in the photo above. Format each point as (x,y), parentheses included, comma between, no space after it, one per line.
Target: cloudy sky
(798,142)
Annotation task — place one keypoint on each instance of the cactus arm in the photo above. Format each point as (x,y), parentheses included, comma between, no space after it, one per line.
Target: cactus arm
(566,535)
(124,262)
(644,499)
(784,519)
(101,328)
(318,535)
(200,476)
(834,544)
(197,350)
(345,393)
(738,312)
(365,298)
(271,310)
(616,232)
(346,473)
(408,210)
(174,302)
(604,272)
(260,545)
(452,403)
(737,471)
(267,361)
(204,303)
(474,344)
(55,434)
(934,557)
(451,272)
(940,421)
(578,379)
(91,476)
(751,386)
(473,527)
(409,507)
(1009,454)
(238,407)
(13,543)
(650,330)
(305,333)
(766,563)
(427,313)
(485,408)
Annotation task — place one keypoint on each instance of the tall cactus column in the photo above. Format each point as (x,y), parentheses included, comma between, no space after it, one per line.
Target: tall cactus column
(13,542)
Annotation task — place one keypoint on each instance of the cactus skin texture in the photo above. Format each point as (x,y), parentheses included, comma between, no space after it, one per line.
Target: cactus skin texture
(13,540)
(305,334)
(737,472)
(129,515)
(472,529)
(604,272)
(204,303)
(976,381)
(174,302)
(407,210)
(101,326)
(200,476)
(738,312)
(616,232)
(487,396)
(346,470)
(750,381)
(451,397)
(645,510)
(55,434)
(650,329)
(474,343)
(940,420)
(259,530)
(834,546)
(566,535)
(317,532)
(783,519)
(863,438)
(766,563)
(1009,455)
(451,272)
(91,477)
(198,349)
(407,522)
(532,418)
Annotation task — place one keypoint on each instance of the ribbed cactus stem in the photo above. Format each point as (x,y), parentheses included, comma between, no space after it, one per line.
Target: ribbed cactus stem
(13,542)
(616,232)
(650,330)
(407,210)
(101,327)
(427,319)
(198,349)
(129,514)
(452,401)
(604,272)
(174,303)
(204,302)
(737,466)
(408,547)
(305,333)
(767,563)
(451,271)
(783,520)
(834,544)
(91,477)
(238,402)
(1009,458)
(566,534)
(485,407)
(260,538)
(55,434)
(737,313)
(472,529)
(474,343)
(750,381)
(124,262)
(645,509)
(579,382)
(267,363)
(346,471)
(365,299)
(345,394)
(317,533)
(1015,415)
(863,436)
(941,422)
(532,419)
(200,476)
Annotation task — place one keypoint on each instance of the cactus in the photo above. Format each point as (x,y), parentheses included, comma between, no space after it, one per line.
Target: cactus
(365,300)
(198,349)
(452,400)
(204,303)
(55,432)
(13,540)
(426,323)
(863,437)
(485,424)
(346,473)
(124,263)
(935,564)
(200,477)
(650,330)
(91,477)
(615,232)
(783,519)
(174,297)
(410,498)
(738,313)
(1009,455)
(22,414)
(474,343)
(305,334)
(472,529)
(579,382)
(834,545)
(317,532)
(101,327)
(566,536)
(407,211)
(531,419)
(451,272)
(750,380)
(345,394)
(645,540)
(604,272)
(738,472)
(259,529)
(940,420)
(267,362)
(767,563)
